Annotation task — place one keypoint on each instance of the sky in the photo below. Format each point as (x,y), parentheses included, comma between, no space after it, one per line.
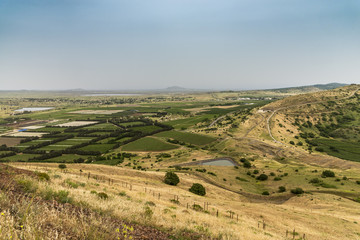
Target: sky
(153,44)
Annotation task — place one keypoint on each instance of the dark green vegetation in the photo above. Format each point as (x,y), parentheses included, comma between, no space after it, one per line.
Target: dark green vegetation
(148,144)
(332,127)
(171,178)
(198,189)
(186,137)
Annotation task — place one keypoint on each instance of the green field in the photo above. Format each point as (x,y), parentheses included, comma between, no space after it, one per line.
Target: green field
(127,124)
(189,122)
(123,139)
(32,143)
(192,138)
(102,126)
(148,144)
(20,157)
(340,149)
(146,129)
(67,158)
(54,147)
(48,129)
(106,140)
(98,147)
(74,141)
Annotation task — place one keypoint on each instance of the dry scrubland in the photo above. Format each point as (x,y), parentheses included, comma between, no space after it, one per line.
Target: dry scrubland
(318,216)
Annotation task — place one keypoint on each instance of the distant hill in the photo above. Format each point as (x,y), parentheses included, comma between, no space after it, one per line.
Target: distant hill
(325,121)
(310,88)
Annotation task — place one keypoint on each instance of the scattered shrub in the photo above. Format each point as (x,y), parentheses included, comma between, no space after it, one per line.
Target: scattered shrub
(122,193)
(171,178)
(247,164)
(43,176)
(62,166)
(241,179)
(327,173)
(315,181)
(282,189)
(197,207)
(150,203)
(265,193)
(102,195)
(198,189)
(297,191)
(262,177)
(71,184)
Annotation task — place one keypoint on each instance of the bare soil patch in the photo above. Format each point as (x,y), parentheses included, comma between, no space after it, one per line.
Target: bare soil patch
(10,142)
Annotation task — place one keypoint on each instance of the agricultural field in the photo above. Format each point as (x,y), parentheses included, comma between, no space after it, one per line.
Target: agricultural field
(103,147)
(146,129)
(10,141)
(102,126)
(148,144)
(342,149)
(187,137)
(19,158)
(130,124)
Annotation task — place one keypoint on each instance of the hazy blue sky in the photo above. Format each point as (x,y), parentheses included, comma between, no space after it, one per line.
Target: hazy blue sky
(138,44)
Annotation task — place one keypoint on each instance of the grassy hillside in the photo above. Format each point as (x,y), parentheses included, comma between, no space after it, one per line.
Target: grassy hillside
(144,203)
(326,122)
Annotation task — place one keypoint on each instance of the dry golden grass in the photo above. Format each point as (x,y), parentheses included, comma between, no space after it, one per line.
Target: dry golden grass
(319,216)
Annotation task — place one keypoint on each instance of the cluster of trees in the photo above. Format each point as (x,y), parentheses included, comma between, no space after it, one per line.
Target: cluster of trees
(172,178)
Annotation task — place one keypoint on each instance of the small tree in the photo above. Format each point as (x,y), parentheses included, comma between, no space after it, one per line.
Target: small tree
(171,178)
(62,166)
(247,164)
(297,191)
(328,173)
(262,177)
(198,189)
(282,189)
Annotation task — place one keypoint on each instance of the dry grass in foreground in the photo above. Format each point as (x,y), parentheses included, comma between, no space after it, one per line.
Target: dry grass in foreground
(318,216)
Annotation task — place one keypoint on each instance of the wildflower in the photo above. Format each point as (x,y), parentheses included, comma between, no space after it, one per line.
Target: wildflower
(2,214)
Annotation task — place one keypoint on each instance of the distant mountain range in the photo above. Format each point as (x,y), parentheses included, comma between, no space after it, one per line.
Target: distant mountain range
(177,89)
(309,88)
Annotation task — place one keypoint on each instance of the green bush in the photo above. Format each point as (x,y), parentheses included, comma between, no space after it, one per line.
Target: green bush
(43,176)
(328,173)
(102,195)
(62,196)
(197,207)
(247,164)
(282,189)
(265,193)
(315,181)
(27,185)
(122,193)
(262,177)
(297,191)
(62,166)
(71,184)
(277,178)
(198,189)
(171,178)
